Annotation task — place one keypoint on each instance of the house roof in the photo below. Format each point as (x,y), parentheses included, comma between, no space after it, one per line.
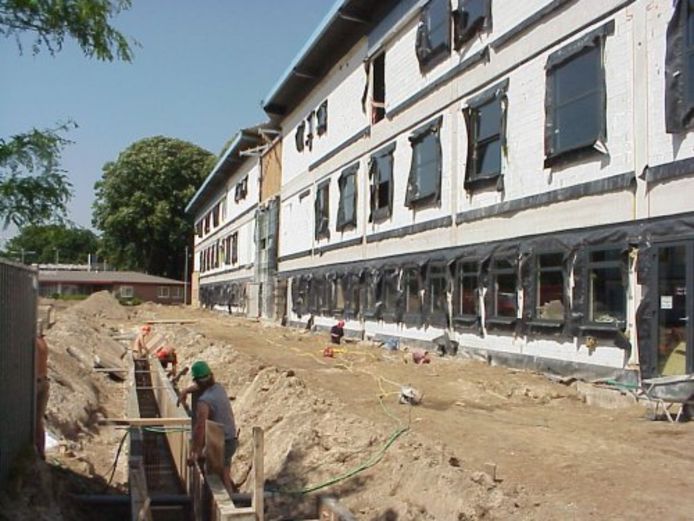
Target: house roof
(103,277)
(343,26)
(230,161)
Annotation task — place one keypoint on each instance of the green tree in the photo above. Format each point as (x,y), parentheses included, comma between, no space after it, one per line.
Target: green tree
(140,203)
(33,188)
(51,242)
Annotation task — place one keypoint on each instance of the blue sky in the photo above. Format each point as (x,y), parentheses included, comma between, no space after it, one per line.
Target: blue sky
(201,73)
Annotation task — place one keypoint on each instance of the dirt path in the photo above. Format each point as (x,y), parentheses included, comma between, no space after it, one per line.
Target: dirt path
(557,458)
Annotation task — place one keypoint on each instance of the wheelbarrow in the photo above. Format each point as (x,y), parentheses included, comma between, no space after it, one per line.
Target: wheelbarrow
(667,391)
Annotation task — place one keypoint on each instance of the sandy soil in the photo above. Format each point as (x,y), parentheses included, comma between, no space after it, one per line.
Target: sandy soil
(555,456)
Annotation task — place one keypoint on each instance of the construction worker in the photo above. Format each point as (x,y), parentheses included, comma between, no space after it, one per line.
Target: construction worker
(212,404)
(337,332)
(140,343)
(42,390)
(166,355)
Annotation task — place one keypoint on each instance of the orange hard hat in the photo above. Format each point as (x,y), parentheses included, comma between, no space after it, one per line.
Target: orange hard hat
(146,327)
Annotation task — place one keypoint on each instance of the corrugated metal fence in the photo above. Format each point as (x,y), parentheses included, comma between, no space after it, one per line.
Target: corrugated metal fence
(18,299)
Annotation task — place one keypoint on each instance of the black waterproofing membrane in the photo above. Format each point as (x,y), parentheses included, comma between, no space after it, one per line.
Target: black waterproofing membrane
(345,218)
(494,93)
(299,136)
(322,118)
(322,210)
(227,294)
(426,163)
(470,18)
(433,39)
(679,108)
(375,289)
(380,168)
(595,38)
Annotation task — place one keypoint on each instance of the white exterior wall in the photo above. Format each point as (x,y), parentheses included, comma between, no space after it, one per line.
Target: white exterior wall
(633,63)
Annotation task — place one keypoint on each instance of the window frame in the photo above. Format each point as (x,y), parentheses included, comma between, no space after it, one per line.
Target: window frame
(411,316)
(343,221)
(428,54)
(679,79)
(463,31)
(593,41)
(234,248)
(495,94)
(537,288)
(622,264)
(163,294)
(321,206)
(492,308)
(381,213)
(459,317)
(126,291)
(322,118)
(414,199)
(437,317)
(378,105)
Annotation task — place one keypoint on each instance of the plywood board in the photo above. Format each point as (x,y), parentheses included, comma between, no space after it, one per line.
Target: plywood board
(214,448)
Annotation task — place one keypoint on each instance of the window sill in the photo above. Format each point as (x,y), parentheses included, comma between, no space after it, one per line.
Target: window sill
(611,327)
(573,154)
(501,321)
(546,324)
(479,183)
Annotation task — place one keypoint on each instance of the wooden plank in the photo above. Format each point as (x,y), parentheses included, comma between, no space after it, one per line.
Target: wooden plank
(145,422)
(258,473)
(214,448)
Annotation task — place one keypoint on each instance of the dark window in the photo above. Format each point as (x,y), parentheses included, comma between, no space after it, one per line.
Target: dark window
(215,216)
(347,208)
(424,182)
(465,295)
(503,280)
(299,136)
(234,247)
(322,118)
(207,223)
(322,217)
(378,98)
(198,228)
(575,97)
(437,288)
(411,291)
(607,287)
(389,293)
(227,250)
(434,32)
(471,17)
(241,189)
(381,176)
(486,121)
(679,69)
(309,128)
(550,286)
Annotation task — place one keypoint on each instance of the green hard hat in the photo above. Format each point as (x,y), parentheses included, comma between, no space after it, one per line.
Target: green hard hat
(200,369)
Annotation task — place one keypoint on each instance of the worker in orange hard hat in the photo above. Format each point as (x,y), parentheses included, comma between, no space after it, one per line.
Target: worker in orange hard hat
(166,355)
(140,343)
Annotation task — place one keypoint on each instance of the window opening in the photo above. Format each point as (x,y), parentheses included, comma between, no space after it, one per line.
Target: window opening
(322,118)
(434,32)
(424,182)
(466,300)
(471,18)
(437,288)
(550,286)
(234,247)
(347,207)
(606,287)
(381,174)
(299,136)
(378,98)
(679,69)
(126,291)
(411,290)
(504,288)
(163,292)
(322,219)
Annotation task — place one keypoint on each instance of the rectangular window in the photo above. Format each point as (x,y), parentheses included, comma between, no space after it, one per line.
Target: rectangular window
(575,97)
(504,282)
(241,189)
(378,95)
(215,216)
(434,32)
(679,69)
(465,295)
(424,182)
(322,211)
(389,293)
(550,287)
(322,118)
(198,228)
(471,18)
(207,223)
(126,292)
(223,207)
(437,292)
(235,247)
(381,176)
(350,291)
(607,287)
(347,208)
(163,292)
(227,250)
(485,119)
(411,291)
(299,136)
(176,292)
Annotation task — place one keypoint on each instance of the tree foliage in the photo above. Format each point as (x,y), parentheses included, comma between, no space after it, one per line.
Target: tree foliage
(140,203)
(50,21)
(68,245)
(33,188)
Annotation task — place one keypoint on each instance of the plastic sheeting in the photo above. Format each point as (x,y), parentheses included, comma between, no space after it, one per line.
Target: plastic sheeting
(679,107)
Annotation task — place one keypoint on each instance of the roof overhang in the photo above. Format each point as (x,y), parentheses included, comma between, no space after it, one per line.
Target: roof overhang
(228,164)
(343,26)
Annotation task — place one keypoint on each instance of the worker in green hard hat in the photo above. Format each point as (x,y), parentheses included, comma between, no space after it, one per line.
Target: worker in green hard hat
(212,404)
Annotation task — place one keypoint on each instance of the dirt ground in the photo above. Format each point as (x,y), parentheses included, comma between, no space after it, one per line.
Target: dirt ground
(556,457)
